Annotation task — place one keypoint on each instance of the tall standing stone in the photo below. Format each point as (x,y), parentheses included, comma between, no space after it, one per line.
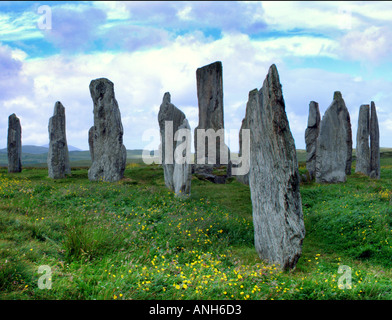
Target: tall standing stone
(274,177)
(14,144)
(334,144)
(311,135)
(58,158)
(177,175)
(182,174)
(374,143)
(349,144)
(108,152)
(210,102)
(252,96)
(362,148)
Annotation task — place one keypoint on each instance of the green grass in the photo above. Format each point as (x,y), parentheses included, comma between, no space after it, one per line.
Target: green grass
(134,240)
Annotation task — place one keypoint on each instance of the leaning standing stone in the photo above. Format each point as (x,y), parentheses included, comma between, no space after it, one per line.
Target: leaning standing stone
(274,178)
(58,159)
(362,149)
(106,137)
(311,135)
(374,144)
(14,144)
(334,144)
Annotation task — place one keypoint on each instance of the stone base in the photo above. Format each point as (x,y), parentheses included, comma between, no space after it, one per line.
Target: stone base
(209,172)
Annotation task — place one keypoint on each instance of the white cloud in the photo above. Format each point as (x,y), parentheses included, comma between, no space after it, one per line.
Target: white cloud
(369,45)
(141,77)
(115,10)
(359,31)
(19,26)
(184,14)
(288,15)
(378,11)
(329,17)
(300,46)
(140,80)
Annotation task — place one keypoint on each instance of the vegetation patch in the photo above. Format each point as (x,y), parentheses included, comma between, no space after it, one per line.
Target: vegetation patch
(134,239)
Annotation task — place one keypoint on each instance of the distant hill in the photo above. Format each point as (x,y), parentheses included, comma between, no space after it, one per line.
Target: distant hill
(29,149)
(34,149)
(70,148)
(38,149)
(37,156)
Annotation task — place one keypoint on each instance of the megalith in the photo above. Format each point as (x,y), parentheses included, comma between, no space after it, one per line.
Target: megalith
(274,178)
(58,158)
(374,143)
(244,178)
(362,149)
(311,135)
(177,168)
(334,143)
(108,153)
(182,173)
(211,120)
(14,144)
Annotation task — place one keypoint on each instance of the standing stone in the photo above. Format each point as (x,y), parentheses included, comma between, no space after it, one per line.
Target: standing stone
(334,144)
(311,135)
(14,144)
(253,95)
(177,175)
(374,143)
(245,177)
(108,154)
(210,102)
(91,143)
(58,159)
(182,173)
(362,149)
(349,144)
(274,178)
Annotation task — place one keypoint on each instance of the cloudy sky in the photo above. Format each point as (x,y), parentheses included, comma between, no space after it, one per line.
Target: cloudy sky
(50,54)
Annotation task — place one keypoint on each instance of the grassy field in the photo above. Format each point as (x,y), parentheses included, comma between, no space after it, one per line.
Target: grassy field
(134,240)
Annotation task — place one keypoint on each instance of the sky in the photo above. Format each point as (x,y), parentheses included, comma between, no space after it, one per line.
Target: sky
(50,51)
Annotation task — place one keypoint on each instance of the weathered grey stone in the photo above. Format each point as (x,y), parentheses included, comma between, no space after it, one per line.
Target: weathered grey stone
(334,144)
(106,136)
(362,148)
(311,135)
(91,133)
(274,177)
(58,158)
(374,143)
(177,175)
(305,177)
(182,173)
(217,179)
(244,125)
(210,102)
(14,144)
